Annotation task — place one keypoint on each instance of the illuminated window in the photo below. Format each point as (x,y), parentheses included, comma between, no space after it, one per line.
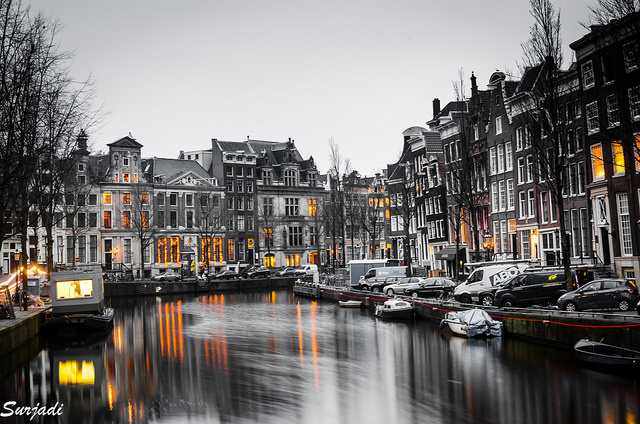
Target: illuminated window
(293,260)
(126,219)
(597,161)
(161,247)
(231,250)
(125,178)
(106,198)
(313,207)
(144,198)
(76,373)
(75,289)
(269,260)
(175,249)
(636,152)
(313,258)
(618,158)
(126,198)
(106,219)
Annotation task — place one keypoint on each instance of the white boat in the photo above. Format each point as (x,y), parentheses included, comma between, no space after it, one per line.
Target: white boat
(350,303)
(472,323)
(395,309)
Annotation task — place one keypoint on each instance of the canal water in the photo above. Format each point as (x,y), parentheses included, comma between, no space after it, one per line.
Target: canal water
(271,357)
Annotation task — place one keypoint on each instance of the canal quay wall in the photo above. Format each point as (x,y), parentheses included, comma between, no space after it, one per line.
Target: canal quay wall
(161,288)
(18,336)
(550,327)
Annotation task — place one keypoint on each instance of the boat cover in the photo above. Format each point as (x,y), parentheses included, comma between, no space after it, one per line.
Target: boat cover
(479,318)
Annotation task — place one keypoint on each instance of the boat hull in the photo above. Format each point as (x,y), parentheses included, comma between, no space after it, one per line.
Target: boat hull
(73,325)
(396,314)
(601,354)
(350,304)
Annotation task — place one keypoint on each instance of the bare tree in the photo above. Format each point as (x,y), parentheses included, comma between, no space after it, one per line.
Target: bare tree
(371,220)
(267,222)
(140,219)
(543,51)
(606,10)
(210,226)
(338,167)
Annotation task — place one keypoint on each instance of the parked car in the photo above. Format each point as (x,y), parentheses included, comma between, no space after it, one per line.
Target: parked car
(601,294)
(169,275)
(403,284)
(259,272)
(433,287)
(226,275)
(378,285)
(309,269)
(287,272)
(486,277)
(533,288)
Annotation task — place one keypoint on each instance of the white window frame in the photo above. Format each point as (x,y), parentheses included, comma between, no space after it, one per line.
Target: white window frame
(593,117)
(588,76)
(498,125)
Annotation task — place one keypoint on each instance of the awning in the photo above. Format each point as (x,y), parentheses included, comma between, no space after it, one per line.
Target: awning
(447,254)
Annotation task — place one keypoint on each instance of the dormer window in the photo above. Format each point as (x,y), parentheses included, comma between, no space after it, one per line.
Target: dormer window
(230,157)
(312,179)
(125,161)
(81,167)
(290,178)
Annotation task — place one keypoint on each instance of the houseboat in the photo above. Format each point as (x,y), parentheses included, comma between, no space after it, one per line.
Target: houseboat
(77,304)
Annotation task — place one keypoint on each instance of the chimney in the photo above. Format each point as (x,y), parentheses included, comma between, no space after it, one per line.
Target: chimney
(474,85)
(436,107)
(82,141)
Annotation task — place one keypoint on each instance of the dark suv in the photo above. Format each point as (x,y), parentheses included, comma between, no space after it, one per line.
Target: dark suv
(533,288)
(601,294)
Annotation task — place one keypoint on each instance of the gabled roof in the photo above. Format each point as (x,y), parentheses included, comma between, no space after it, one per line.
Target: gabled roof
(126,141)
(171,169)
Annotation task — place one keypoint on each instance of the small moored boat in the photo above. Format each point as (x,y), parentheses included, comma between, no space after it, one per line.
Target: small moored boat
(395,309)
(605,354)
(472,323)
(350,303)
(77,304)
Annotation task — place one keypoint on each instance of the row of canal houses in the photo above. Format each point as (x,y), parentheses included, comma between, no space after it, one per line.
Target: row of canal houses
(236,202)
(485,143)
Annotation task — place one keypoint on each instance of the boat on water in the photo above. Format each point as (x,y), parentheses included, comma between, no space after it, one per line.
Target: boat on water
(77,304)
(350,303)
(472,323)
(605,354)
(395,309)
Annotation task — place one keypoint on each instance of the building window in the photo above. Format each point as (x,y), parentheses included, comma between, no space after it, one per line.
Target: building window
(504,237)
(189,219)
(93,219)
(544,206)
(173,219)
(529,168)
(240,221)
(593,124)
(231,250)
(630,52)
(613,113)
(290,178)
(523,204)
(498,125)
(634,102)
(70,253)
(159,218)
(127,251)
(239,187)
(510,196)
(125,178)
(525,248)
(295,236)
(126,198)
(625,223)
(292,206)
(293,260)
(93,200)
(597,162)
(160,199)
(493,160)
(173,199)
(249,187)
(126,219)
(106,198)
(618,158)
(519,138)
(267,176)
(189,199)
(587,75)
(494,197)
(228,170)
(476,132)
(93,248)
(106,219)
(532,203)
(312,205)
(500,148)
(267,206)
(503,195)
(508,157)
(521,171)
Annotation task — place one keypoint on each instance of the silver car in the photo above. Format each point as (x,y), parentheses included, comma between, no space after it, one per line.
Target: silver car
(404,284)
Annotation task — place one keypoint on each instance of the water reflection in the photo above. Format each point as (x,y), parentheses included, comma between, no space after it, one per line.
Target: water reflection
(270,357)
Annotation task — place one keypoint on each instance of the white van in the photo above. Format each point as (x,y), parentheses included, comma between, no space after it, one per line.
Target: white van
(375,278)
(309,269)
(485,277)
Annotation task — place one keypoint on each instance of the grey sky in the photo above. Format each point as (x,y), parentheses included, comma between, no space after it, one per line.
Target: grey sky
(178,73)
